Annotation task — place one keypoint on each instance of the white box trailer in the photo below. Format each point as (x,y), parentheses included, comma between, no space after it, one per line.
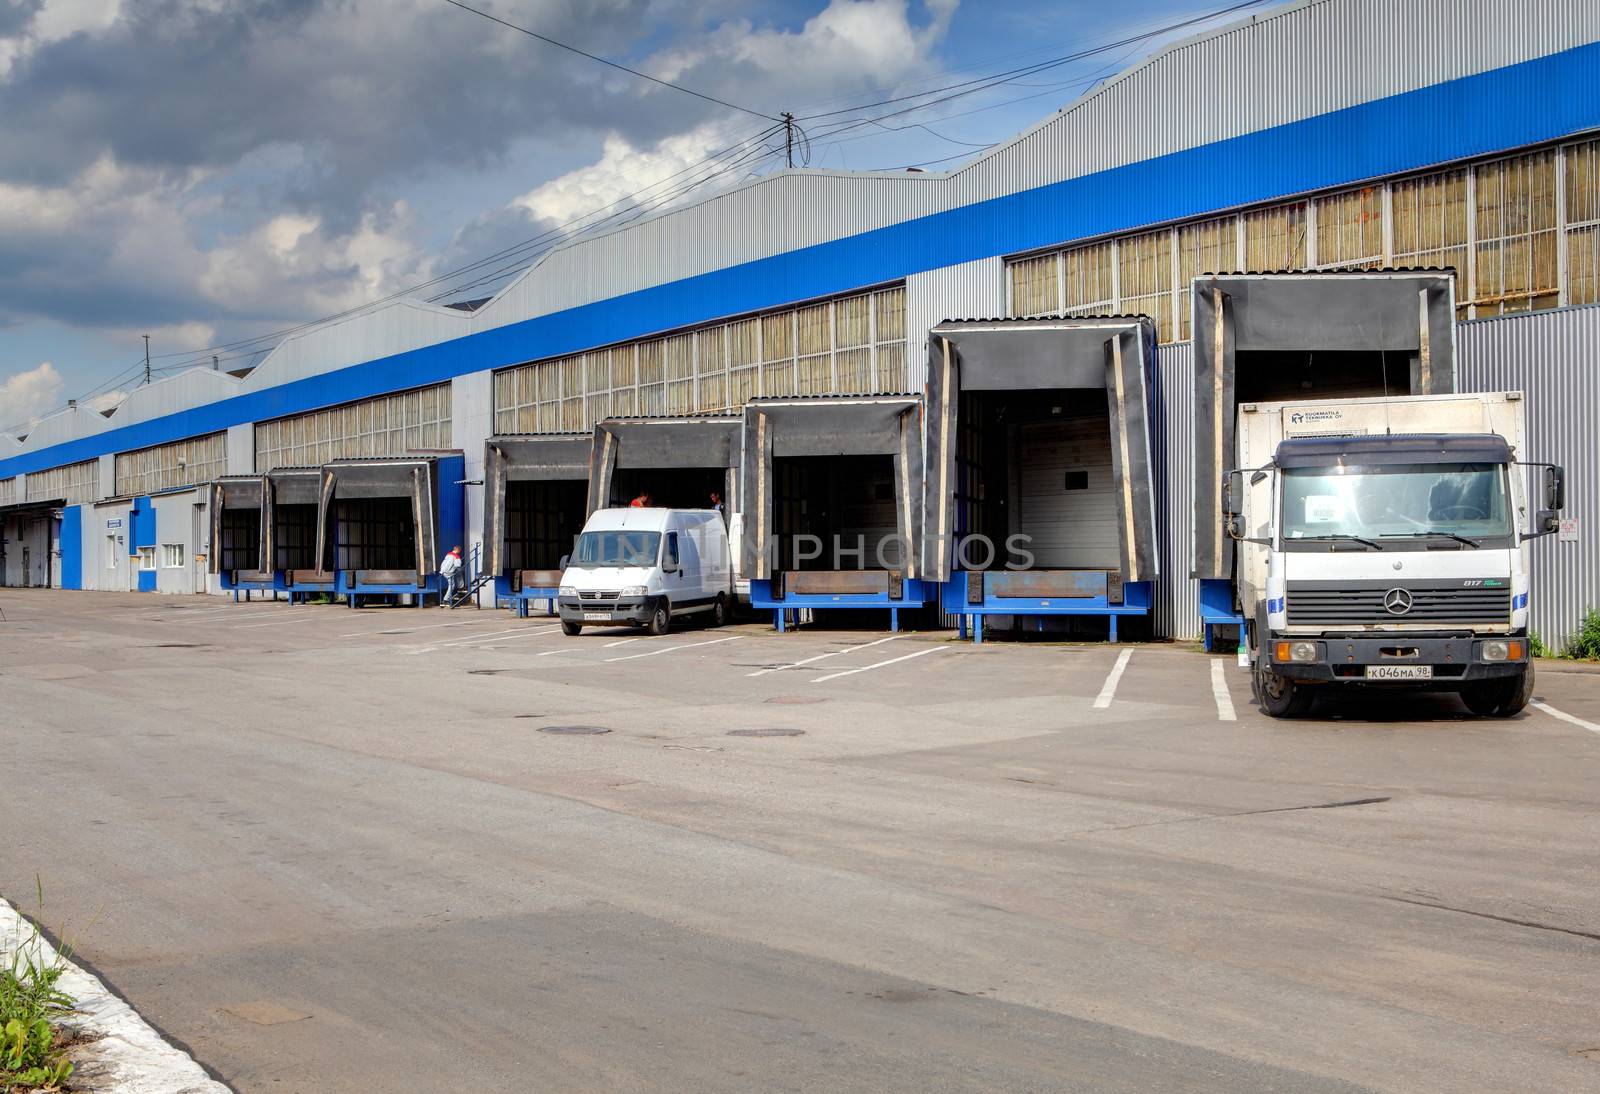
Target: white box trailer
(1384,540)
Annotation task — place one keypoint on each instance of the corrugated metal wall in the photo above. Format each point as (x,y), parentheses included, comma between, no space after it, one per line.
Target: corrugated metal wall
(972,290)
(1177,607)
(1554,357)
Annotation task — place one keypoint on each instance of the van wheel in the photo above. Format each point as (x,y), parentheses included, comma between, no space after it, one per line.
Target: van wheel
(1500,698)
(1280,696)
(719,611)
(660,619)
(571,630)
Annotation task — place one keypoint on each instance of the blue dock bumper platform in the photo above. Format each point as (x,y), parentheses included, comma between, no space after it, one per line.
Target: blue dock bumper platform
(977,593)
(823,590)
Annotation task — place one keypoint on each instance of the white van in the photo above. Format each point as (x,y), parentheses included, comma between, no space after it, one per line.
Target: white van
(647,567)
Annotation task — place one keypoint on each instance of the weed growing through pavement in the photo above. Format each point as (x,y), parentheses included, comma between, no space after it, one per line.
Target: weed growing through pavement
(32,1041)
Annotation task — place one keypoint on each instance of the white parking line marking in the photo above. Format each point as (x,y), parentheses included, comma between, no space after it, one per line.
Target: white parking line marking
(820,656)
(619,642)
(521,632)
(1565,717)
(319,617)
(878,664)
(1219,691)
(1103,700)
(408,630)
(669,649)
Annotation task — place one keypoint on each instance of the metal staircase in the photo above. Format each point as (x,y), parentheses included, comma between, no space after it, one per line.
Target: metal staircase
(475,580)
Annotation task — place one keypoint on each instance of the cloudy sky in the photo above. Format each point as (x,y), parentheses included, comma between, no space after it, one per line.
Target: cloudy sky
(209,171)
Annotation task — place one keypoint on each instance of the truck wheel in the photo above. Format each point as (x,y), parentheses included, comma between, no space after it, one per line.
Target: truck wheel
(1280,696)
(1500,698)
(571,630)
(660,619)
(719,611)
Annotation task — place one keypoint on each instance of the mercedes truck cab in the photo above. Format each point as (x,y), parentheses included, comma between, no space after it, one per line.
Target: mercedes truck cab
(646,567)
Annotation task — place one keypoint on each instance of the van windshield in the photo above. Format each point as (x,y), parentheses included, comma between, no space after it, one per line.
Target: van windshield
(1396,501)
(616,548)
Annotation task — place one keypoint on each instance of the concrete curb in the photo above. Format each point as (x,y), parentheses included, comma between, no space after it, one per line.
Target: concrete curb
(129,1055)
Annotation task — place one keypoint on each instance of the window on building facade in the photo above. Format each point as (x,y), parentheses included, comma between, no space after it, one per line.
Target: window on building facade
(8,491)
(1144,276)
(147,558)
(1036,285)
(1350,229)
(171,466)
(1205,247)
(1430,226)
(390,425)
(1086,274)
(73,483)
(1515,254)
(1583,223)
(1521,233)
(171,555)
(851,345)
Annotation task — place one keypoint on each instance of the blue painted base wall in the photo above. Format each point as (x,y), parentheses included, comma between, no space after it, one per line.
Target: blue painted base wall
(72,547)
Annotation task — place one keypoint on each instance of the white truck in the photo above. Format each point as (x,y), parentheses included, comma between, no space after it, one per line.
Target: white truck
(1383,542)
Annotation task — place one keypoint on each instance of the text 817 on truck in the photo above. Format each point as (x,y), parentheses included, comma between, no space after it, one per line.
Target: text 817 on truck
(1383,543)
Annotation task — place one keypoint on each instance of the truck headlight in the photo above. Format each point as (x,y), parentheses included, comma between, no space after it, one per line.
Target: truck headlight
(633,590)
(568,590)
(1500,649)
(1296,651)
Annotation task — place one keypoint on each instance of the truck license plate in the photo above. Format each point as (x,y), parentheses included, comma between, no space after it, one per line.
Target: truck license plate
(597,617)
(1399,672)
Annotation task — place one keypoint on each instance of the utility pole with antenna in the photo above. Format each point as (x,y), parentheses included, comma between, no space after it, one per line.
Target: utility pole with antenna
(788,136)
(147,358)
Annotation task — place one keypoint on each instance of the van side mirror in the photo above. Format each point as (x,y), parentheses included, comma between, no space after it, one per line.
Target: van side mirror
(565,559)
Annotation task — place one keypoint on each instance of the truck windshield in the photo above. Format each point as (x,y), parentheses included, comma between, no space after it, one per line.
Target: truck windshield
(1460,500)
(616,548)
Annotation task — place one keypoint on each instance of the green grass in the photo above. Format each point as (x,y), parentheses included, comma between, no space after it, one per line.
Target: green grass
(31,1009)
(1584,645)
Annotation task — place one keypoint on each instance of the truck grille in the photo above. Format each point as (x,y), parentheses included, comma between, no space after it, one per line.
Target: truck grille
(1365,607)
(607,594)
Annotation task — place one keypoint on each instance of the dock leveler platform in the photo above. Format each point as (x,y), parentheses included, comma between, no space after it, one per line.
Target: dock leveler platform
(1040,492)
(830,481)
(290,518)
(534,490)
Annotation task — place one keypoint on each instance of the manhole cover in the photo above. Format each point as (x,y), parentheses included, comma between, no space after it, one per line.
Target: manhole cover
(773,731)
(793,700)
(576,730)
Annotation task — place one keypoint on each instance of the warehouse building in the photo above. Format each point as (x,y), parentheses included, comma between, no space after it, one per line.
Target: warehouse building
(1325,134)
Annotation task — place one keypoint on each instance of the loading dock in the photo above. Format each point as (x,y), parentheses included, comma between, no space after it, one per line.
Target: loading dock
(292,529)
(679,463)
(1328,335)
(534,491)
(30,543)
(239,537)
(1040,495)
(832,501)
(383,523)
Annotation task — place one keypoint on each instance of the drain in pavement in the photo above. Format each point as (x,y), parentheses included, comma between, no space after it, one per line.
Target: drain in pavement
(179,646)
(794,700)
(771,731)
(576,730)
(530,715)
(484,672)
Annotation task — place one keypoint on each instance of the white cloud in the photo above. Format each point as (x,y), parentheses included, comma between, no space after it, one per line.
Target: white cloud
(24,396)
(55,21)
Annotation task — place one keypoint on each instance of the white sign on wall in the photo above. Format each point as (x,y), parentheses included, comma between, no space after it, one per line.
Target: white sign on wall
(1567,531)
(113,522)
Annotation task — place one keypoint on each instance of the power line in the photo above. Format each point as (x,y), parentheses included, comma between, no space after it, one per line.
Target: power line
(612,64)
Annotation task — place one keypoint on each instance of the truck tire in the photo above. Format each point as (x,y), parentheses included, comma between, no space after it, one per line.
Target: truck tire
(1500,698)
(719,611)
(571,630)
(1280,696)
(660,618)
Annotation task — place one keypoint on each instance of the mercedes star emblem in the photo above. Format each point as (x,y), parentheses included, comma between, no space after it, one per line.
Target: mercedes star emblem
(1397,602)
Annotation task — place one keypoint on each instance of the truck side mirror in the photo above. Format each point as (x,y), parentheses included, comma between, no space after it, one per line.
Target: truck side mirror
(564,560)
(1555,488)
(1232,491)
